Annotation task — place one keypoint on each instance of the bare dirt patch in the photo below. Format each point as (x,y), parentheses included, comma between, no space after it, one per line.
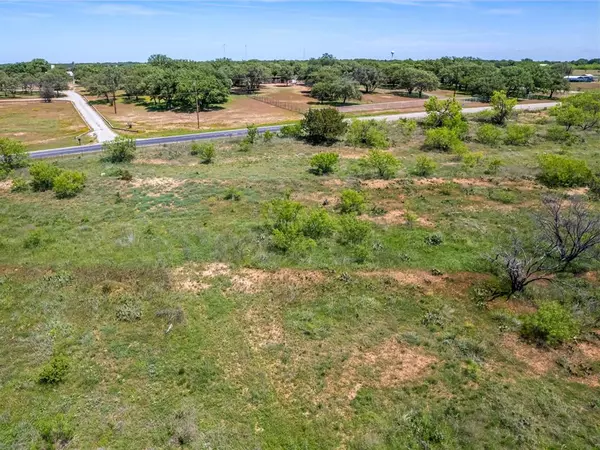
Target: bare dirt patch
(379,184)
(188,279)
(5,185)
(397,217)
(157,162)
(390,363)
(164,184)
(254,280)
(263,328)
(538,360)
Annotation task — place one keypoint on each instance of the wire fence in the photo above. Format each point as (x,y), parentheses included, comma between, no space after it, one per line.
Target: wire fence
(290,106)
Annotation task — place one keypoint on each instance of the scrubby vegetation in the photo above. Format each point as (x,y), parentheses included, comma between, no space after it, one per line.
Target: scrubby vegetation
(176,304)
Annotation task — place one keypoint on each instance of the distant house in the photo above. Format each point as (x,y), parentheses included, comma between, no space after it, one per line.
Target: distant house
(587,78)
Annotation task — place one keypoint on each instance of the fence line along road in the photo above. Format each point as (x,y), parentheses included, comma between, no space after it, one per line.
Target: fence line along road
(242,132)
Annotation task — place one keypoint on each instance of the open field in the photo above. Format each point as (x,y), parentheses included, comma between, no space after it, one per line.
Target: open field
(584,86)
(41,125)
(183,327)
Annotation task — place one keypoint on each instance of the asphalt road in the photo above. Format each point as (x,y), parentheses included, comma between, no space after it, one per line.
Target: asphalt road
(242,132)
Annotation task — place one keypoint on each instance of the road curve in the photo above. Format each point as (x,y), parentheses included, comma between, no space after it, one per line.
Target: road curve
(242,132)
(93,119)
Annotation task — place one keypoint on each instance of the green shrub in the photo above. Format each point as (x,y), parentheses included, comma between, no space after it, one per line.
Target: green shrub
(245,146)
(444,140)
(351,202)
(519,134)
(318,224)
(56,432)
(252,133)
(19,184)
(120,150)
(129,310)
(471,159)
(323,125)
(33,240)
(68,184)
(493,166)
(353,231)
(434,239)
(502,106)
(407,127)
(268,136)
(562,171)
(502,196)
(233,194)
(552,324)
(488,134)
(124,174)
(368,133)
(43,175)
(54,371)
(285,220)
(206,151)
(13,154)
(323,163)
(383,163)
(446,114)
(425,166)
(291,131)
(559,134)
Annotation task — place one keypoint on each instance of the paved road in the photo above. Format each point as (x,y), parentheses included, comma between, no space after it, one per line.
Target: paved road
(94,120)
(242,132)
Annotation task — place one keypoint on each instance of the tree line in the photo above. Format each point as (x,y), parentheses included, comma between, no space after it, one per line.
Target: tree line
(33,76)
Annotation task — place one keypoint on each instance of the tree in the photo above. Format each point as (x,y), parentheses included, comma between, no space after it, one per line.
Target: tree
(120,150)
(37,66)
(425,81)
(346,88)
(548,79)
(568,115)
(46,92)
(588,103)
(502,107)
(202,89)
(369,77)
(323,125)
(518,81)
(12,154)
(56,80)
(567,231)
(112,79)
(159,60)
(486,82)
(447,114)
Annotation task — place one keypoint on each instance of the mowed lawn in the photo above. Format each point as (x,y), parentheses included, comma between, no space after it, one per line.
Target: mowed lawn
(41,125)
(183,327)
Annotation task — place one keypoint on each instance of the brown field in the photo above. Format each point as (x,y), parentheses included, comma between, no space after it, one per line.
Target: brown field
(41,125)
(584,86)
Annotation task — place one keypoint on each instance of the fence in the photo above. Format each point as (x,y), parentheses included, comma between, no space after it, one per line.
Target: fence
(290,106)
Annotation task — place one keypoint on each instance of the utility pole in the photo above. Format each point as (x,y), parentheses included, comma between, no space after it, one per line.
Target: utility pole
(197,104)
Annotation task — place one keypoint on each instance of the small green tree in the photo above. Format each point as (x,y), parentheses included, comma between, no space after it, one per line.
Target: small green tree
(562,171)
(68,184)
(425,166)
(502,106)
(351,202)
(252,133)
(446,114)
(12,154)
(206,151)
(517,134)
(552,324)
(383,163)
(368,133)
(444,140)
(120,150)
(568,115)
(324,163)
(323,125)
(488,134)
(43,175)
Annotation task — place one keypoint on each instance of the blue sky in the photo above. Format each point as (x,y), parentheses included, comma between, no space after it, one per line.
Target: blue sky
(120,30)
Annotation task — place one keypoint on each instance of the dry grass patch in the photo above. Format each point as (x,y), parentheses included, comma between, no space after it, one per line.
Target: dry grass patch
(263,328)
(250,281)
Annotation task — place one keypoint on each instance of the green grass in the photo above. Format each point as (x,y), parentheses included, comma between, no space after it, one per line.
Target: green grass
(281,350)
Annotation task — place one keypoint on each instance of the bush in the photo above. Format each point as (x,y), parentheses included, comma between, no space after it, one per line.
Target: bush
(291,131)
(502,196)
(252,133)
(559,134)
(552,324)
(425,166)
(562,171)
(19,184)
(245,146)
(268,136)
(233,194)
(206,151)
(323,125)
(368,133)
(43,175)
(488,134)
(494,166)
(56,432)
(434,239)
(318,224)
(471,159)
(502,106)
(323,163)
(444,140)
(519,134)
(13,154)
(383,163)
(353,231)
(351,202)
(33,240)
(407,127)
(68,184)
(129,311)
(54,371)
(124,174)
(120,150)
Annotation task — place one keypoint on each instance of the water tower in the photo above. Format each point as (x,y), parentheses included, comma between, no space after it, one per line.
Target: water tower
(393,54)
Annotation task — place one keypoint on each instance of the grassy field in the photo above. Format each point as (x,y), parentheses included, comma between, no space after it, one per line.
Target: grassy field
(41,125)
(183,327)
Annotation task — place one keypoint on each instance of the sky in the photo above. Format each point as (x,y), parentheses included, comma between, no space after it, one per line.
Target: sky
(123,30)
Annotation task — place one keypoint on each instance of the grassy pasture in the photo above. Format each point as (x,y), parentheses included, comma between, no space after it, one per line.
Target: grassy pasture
(41,125)
(184,328)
